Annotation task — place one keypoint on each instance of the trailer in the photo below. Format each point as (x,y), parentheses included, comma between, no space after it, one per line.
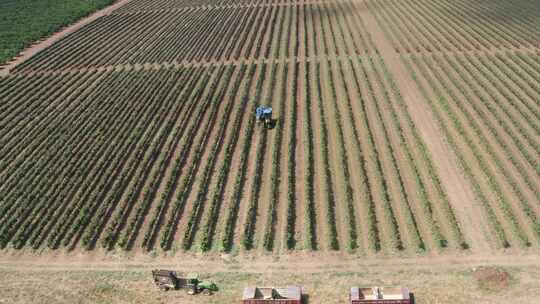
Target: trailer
(269,295)
(171,280)
(380,295)
(166,279)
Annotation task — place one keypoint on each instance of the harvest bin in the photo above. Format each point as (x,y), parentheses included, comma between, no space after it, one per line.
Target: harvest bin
(380,295)
(267,295)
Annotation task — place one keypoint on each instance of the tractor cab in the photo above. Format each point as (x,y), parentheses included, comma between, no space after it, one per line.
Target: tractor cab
(264,115)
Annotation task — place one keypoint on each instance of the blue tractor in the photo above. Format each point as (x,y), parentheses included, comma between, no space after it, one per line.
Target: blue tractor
(264,115)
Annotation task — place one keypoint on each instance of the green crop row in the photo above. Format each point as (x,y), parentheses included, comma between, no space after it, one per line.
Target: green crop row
(510,180)
(427,207)
(269,235)
(253,204)
(81,167)
(328,186)
(291,164)
(186,184)
(205,176)
(48,159)
(217,195)
(157,220)
(495,224)
(311,222)
(350,214)
(448,212)
(394,239)
(230,222)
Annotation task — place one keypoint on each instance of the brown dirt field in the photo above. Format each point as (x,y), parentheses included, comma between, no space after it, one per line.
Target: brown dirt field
(459,192)
(492,278)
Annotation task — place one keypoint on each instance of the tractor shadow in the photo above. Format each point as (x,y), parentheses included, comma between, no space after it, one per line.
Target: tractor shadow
(273,123)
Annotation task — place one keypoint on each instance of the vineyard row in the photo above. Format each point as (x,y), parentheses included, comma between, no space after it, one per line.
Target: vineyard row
(458,25)
(200,35)
(99,160)
(487,107)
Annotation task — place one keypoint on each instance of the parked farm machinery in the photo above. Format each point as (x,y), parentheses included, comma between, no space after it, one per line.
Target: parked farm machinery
(167,280)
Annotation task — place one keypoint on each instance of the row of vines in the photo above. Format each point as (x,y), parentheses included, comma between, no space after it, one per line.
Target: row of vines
(487,107)
(161,5)
(203,35)
(96,159)
(444,25)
